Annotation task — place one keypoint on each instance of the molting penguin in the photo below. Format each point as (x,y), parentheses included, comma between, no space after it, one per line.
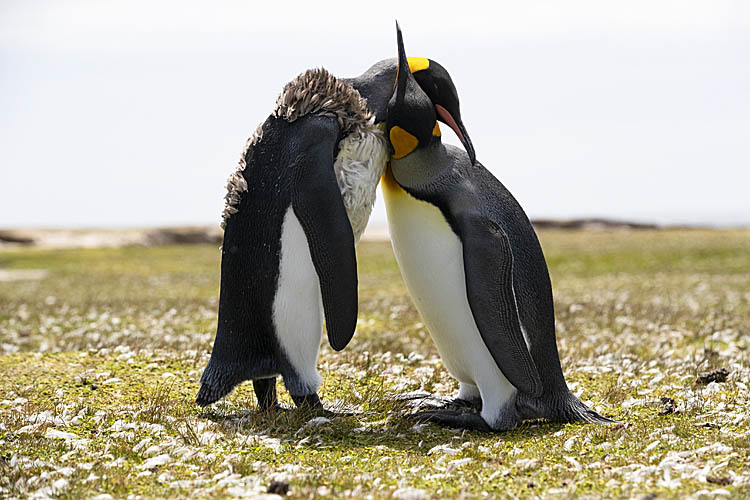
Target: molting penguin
(295,207)
(476,273)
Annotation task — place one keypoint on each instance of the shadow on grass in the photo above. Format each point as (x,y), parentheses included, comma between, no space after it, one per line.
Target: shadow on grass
(394,431)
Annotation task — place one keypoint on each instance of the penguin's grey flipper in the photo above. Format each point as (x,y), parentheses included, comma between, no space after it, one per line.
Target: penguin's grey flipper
(317,203)
(488,264)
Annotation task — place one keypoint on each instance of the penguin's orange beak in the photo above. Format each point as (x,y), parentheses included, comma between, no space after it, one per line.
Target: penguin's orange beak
(459,129)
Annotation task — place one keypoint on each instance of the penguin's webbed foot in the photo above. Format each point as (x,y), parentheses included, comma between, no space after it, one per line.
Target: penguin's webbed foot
(311,403)
(426,401)
(452,418)
(442,403)
(474,404)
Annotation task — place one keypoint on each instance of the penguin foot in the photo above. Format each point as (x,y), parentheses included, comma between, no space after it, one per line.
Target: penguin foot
(408,397)
(441,403)
(452,418)
(424,400)
(307,402)
(265,391)
(474,404)
(311,403)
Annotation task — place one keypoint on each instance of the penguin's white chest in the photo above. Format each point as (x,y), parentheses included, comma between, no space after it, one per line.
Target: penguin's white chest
(430,257)
(358,166)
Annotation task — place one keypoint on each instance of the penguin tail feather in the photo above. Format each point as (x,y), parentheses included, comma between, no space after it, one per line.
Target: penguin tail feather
(564,407)
(208,394)
(217,382)
(576,410)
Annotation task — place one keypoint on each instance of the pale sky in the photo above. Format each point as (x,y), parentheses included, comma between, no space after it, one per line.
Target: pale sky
(134,113)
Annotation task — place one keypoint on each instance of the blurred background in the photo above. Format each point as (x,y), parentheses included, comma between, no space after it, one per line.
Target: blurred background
(122,114)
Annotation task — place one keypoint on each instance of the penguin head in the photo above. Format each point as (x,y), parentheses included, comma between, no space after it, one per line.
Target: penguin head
(434,79)
(424,93)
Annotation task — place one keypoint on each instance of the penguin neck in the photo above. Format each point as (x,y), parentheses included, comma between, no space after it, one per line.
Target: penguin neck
(376,85)
(421,166)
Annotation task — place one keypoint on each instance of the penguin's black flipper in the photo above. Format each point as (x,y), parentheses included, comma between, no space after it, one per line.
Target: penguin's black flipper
(317,203)
(488,264)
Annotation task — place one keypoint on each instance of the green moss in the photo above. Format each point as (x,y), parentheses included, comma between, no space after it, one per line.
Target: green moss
(632,308)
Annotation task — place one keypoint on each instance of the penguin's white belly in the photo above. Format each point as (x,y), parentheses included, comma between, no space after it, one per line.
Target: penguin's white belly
(298,306)
(430,257)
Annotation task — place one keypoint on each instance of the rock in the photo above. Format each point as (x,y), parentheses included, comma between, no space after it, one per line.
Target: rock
(16,238)
(278,488)
(722,481)
(669,405)
(183,236)
(714,376)
(156,461)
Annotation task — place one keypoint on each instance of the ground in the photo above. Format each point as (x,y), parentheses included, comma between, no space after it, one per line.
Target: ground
(103,349)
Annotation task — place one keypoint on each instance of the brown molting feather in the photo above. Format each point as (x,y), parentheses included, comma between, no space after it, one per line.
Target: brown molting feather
(236,183)
(314,92)
(317,92)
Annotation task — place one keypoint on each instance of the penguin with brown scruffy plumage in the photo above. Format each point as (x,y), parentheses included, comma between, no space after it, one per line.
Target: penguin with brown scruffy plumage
(476,272)
(295,208)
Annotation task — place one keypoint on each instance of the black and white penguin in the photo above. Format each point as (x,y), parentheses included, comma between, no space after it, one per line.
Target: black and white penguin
(475,270)
(295,207)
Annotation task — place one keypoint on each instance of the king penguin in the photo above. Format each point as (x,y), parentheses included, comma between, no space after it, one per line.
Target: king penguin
(475,270)
(294,209)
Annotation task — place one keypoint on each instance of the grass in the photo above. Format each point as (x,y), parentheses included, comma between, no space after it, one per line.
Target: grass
(101,361)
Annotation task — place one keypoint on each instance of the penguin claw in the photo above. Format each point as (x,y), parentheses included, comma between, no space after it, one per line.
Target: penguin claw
(474,404)
(311,403)
(440,403)
(452,418)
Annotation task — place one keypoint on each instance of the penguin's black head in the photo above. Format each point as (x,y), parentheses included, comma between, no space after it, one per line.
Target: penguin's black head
(438,85)
(424,93)
(412,121)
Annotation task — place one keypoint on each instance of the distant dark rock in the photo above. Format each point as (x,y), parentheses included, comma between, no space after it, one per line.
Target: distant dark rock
(12,237)
(279,488)
(714,376)
(591,223)
(722,481)
(669,405)
(183,236)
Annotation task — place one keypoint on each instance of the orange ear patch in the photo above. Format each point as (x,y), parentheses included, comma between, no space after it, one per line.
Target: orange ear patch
(418,63)
(436,130)
(403,142)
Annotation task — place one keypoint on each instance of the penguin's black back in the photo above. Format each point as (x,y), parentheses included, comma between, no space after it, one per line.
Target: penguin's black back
(246,346)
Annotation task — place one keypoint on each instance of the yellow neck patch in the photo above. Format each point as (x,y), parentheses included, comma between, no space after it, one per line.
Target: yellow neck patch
(403,142)
(387,180)
(418,63)
(436,130)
